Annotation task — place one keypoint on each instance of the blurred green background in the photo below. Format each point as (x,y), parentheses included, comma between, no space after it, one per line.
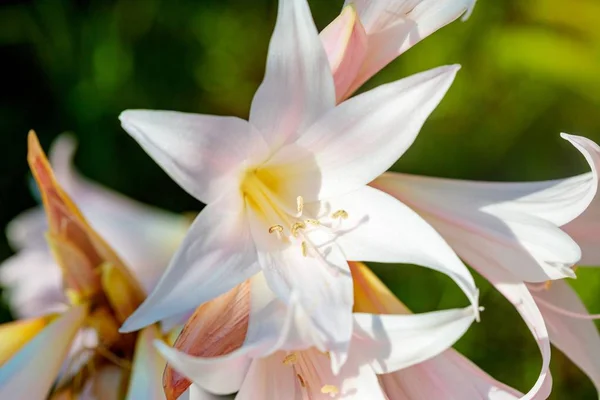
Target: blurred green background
(530,70)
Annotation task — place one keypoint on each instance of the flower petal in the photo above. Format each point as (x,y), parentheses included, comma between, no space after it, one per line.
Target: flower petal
(380,228)
(362,137)
(145,381)
(298,87)
(217,254)
(393,342)
(202,153)
(500,217)
(18,333)
(30,373)
(345,42)
(576,337)
(196,393)
(268,379)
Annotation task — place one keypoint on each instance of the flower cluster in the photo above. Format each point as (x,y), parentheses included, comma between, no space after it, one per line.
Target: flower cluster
(266,294)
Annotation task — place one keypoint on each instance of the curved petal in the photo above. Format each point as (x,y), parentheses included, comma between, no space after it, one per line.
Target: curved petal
(30,373)
(502,218)
(576,337)
(298,87)
(345,42)
(362,137)
(449,376)
(317,271)
(145,381)
(196,393)
(204,154)
(393,342)
(267,378)
(380,228)
(27,230)
(393,27)
(217,254)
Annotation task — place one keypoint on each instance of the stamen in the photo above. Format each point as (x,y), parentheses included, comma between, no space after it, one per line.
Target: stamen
(342,214)
(331,390)
(304,246)
(301,379)
(290,359)
(296,226)
(300,204)
(312,221)
(276,228)
(565,312)
(547,285)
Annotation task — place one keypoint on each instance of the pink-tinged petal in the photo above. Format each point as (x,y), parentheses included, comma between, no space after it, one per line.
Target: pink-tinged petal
(315,269)
(584,229)
(204,154)
(30,373)
(146,375)
(394,26)
(345,42)
(362,137)
(298,86)
(268,378)
(577,337)
(27,230)
(380,228)
(106,385)
(217,254)
(393,342)
(449,376)
(500,218)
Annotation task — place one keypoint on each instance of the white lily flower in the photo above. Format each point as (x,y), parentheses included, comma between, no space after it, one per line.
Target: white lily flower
(287,191)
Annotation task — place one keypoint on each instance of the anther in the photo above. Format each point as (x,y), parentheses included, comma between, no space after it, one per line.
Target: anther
(290,359)
(340,214)
(304,246)
(312,221)
(296,226)
(331,390)
(300,204)
(276,228)
(301,379)
(547,285)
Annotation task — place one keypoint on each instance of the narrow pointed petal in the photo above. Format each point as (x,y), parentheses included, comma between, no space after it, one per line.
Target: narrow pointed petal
(204,154)
(217,254)
(148,366)
(216,328)
(362,137)
(380,228)
(298,86)
(16,334)
(393,27)
(393,342)
(345,42)
(30,373)
(578,338)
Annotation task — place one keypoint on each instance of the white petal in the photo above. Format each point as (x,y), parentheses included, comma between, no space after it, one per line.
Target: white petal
(449,376)
(217,254)
(362,384)
(584,229)
(196,393)
(30,373)
(393,342)
(321,279)
(576,337)
(148,366)
(27,230)
(362,137)
(298,85)
(380,228)
(204,154)
(517,235)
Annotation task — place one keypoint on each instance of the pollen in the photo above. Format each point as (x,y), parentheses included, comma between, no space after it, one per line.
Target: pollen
(547,285)
(276,228)
(313,221)
(300,204)
(331,390)
(304,247)
(296,226)
(341,214)
(290,359)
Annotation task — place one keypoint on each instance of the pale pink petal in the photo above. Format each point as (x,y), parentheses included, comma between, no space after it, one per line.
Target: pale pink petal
(268,379)
(362,137)
(449,376)
(27,230)
(392,342)
(30,373)
(380,228)
(204,154)
(298,86)
(578,338)
(345,42)
(217,254)
(145,381)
